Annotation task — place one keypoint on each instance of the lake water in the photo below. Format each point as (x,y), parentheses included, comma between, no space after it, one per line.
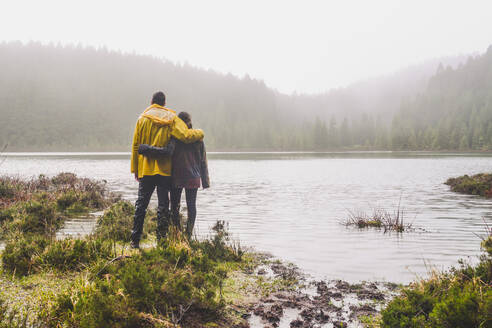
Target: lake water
(291,205)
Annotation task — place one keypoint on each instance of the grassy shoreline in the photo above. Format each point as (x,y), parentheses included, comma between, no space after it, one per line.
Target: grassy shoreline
(98,281)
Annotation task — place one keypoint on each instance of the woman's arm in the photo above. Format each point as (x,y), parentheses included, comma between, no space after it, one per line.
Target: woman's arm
(157,152)
(204,166)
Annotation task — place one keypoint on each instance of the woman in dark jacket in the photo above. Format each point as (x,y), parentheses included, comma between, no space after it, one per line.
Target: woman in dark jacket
(189,167)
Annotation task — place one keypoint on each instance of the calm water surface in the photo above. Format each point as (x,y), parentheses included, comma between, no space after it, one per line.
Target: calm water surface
(291,205)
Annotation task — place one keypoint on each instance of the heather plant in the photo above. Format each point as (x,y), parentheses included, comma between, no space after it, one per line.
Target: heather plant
(7,189)
(91,304)
(42,205)
(11,190)
(220,246)
(36,216)
(65,187)
(66,200)
(65,179)
(74,254)
(6,214)
(20,254)
(176,283)
(459,298)
(33,253)
(117,221)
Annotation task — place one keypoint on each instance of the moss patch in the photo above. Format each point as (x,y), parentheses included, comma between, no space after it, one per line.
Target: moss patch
(478,184)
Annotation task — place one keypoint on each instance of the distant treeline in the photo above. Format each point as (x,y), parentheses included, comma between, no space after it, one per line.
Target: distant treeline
(67,98)
(454,112)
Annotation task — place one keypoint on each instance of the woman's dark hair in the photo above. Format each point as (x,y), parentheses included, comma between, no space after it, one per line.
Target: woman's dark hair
(159,98)
(186,118)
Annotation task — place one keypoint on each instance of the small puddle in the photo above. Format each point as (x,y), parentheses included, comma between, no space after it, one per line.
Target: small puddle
(75,227)
(79,226)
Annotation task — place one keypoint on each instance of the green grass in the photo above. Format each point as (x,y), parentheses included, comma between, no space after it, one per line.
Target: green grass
(478,184)
(97,281)
(460,298)
(41,205)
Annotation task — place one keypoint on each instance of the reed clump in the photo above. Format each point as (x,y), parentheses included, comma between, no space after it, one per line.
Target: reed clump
(380,219)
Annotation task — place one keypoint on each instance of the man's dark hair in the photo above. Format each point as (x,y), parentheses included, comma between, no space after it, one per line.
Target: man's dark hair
(159,98)
(186,118)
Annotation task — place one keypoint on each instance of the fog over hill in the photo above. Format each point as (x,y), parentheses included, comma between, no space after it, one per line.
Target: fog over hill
(55,98)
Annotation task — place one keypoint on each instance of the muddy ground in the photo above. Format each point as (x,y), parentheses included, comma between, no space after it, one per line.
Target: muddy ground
(304,302)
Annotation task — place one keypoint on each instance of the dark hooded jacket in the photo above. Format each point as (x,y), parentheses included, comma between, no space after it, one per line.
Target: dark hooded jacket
(189,161)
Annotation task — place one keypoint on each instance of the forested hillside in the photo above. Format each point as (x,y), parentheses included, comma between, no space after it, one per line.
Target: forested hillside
(55,98)
(454,112)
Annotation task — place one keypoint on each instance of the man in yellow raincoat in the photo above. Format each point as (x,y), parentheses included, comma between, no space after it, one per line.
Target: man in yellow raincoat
(155,127)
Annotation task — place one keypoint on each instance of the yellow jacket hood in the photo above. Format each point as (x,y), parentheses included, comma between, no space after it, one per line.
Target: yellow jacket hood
(159,114)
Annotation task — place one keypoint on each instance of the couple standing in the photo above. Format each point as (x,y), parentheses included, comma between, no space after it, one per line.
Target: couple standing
(169,155)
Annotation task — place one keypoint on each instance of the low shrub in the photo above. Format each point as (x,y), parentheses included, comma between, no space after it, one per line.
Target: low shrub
(80,201)
(41,205)
(7,189)
(450,304)
(92,304)
(36,216)
(175,283)
(64,179)
(117,221)
(461,297)
(147,283)
(220,247)
(66,188)
(6,215)
(34,253)
(20,254)
(74,254)
(66,200)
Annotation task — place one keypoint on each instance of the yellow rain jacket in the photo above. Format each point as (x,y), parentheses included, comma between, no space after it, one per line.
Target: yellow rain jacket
(155,127)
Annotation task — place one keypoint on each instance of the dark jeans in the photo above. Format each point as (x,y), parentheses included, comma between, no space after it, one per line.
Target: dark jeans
(146,188)
(190,204)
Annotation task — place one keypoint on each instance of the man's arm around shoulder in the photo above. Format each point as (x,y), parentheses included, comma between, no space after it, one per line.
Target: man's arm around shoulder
(181,132)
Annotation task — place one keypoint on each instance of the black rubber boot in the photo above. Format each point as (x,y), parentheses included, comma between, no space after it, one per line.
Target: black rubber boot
(189,227)
(163,218)
(135,244)
(176,220)
(137,230)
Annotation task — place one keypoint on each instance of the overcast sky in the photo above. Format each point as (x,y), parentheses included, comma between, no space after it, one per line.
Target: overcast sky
(304,46)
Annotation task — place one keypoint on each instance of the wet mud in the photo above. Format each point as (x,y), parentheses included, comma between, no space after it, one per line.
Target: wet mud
(315,303)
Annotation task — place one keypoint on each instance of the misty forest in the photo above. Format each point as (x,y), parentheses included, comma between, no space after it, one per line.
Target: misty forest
(74,98)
